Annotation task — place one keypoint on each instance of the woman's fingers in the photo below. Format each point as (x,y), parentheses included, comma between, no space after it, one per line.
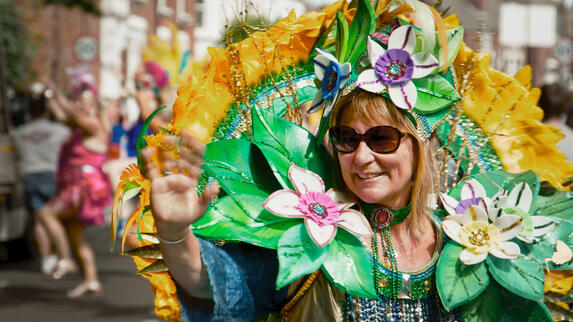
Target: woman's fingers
(175,154)
(186,150)
(192,143)
(150,169)
(211,190)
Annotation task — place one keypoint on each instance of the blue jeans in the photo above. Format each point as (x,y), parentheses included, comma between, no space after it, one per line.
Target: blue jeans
(39,188)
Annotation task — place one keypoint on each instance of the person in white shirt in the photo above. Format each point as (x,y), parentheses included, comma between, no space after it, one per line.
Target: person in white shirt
(38,143)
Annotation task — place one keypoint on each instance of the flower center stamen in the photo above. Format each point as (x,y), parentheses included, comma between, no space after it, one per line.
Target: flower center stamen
(318,209)
(395,69)
(478,237)
(332,81)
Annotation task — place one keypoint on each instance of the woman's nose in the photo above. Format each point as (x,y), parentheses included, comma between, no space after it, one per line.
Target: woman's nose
(363,154)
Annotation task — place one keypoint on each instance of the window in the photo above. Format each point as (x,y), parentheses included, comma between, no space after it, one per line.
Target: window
(163,9)
(199,10)
(182,14)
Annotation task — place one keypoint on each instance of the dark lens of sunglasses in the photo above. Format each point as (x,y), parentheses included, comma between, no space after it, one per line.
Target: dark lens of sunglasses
(383,139)
(344,139)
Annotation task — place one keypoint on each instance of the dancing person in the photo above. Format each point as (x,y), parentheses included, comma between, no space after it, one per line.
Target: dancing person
(38,143)
(83,190)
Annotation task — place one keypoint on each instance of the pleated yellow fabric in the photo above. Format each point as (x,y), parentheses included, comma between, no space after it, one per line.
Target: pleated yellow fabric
(505,107)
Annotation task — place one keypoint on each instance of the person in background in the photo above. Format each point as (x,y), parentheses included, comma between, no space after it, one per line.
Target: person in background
(38,143)
(123,151)
(83,189)
(133,110)
(553,101)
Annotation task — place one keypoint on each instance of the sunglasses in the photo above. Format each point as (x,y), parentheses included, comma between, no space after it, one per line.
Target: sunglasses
(380,139)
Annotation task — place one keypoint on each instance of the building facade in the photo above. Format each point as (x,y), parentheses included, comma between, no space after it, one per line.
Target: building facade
(538,33)
(110,45)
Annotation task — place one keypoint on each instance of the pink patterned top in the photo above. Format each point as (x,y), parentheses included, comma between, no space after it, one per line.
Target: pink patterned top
(82,184)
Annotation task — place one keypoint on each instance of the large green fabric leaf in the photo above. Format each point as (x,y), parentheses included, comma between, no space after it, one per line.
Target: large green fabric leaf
(283,142)
(455,39)
(280,104)
(434,93)
(298,255)
(547,246)
(341,37)
(457,283)
(348,265)
(529,177)
(230,162)
(524,276)
(363,24)
(225,220)
(493,181)
(261,171)
(498,304)
(557,205)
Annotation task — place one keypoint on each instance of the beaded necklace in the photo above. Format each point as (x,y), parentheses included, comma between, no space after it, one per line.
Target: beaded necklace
(382,218)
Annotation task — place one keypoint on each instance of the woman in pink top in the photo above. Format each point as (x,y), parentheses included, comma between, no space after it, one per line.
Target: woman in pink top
(83,190)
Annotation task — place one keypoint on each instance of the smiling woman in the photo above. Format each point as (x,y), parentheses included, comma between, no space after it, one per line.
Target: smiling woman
(387,178)
(302,229)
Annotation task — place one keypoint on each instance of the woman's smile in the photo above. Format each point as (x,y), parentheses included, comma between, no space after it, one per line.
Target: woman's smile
(381,178)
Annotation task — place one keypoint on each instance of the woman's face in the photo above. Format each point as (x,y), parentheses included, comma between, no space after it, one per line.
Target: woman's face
(87,102)
(376,178)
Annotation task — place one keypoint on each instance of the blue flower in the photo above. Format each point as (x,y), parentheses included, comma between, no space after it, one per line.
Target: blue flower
(333,77)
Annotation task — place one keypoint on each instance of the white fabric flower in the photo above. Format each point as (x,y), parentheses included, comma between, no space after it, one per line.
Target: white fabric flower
(480,237)
(322,211)
(473,193)
(393,69)
(333,76)
(518,202)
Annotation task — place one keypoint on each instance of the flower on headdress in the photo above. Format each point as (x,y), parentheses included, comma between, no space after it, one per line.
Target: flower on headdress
(322,211)
(517,202)
(480,237)
(473,193)
(393,69)
(333,76)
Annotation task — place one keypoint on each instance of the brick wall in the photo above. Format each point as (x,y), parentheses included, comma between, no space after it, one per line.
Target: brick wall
(55,30)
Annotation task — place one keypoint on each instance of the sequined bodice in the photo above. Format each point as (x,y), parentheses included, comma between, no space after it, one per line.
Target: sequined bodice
(417,298)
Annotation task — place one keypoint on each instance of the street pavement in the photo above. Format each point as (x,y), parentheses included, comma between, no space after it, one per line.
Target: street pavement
(28,295)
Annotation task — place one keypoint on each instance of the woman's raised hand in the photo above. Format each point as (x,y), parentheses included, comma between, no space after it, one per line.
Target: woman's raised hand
(174,201)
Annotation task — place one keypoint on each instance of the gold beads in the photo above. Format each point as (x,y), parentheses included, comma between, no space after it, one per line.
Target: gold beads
(382,282)
(427,285)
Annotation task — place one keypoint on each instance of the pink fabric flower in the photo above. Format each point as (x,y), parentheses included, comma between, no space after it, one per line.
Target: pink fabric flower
(321,211)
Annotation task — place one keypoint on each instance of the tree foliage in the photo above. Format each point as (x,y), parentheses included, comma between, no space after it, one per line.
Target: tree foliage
(18,48)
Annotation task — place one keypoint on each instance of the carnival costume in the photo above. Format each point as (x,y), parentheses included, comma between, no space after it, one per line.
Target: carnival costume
(81,181)
(281,239)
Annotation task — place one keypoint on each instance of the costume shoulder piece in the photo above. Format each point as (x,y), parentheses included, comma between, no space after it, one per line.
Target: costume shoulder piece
(500,169)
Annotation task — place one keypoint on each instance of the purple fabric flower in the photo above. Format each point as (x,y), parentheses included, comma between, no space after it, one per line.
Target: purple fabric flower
(394,67)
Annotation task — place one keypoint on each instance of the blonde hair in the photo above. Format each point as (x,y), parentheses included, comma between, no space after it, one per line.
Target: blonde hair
(369,106)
